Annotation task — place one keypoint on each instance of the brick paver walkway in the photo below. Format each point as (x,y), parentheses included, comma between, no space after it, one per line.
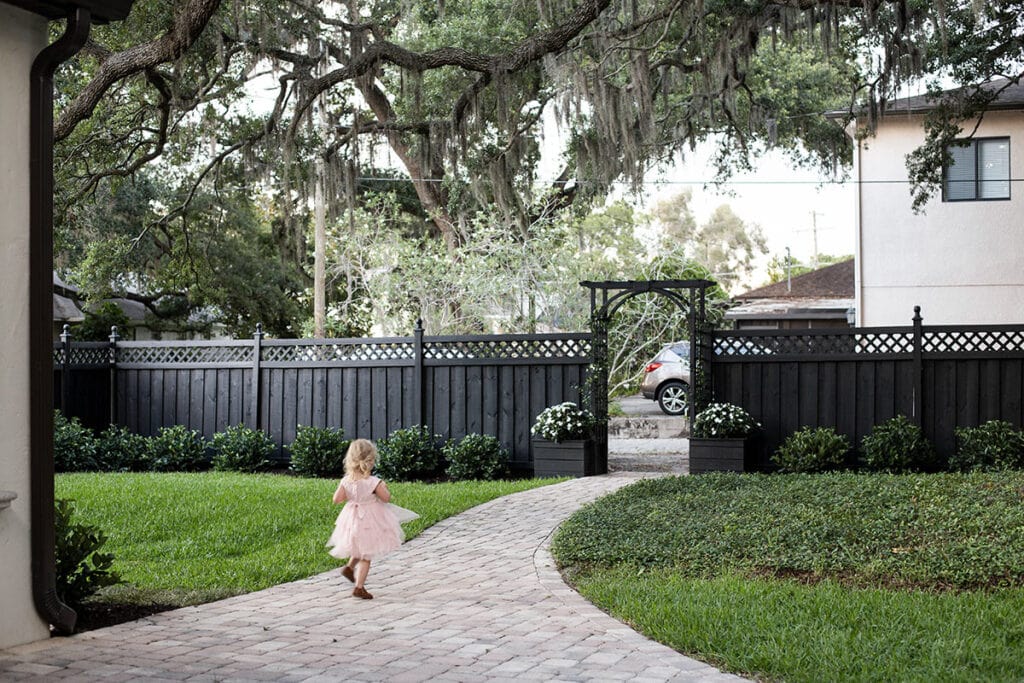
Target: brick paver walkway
(473,598)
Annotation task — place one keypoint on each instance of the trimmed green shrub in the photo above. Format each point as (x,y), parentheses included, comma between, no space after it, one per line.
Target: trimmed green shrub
(74,446)
(476,456)
(120,450)
(994,445)
(409,454)
(318,452)
(898,445)
(812,449)
(241,449)
(177,449)
(81,568)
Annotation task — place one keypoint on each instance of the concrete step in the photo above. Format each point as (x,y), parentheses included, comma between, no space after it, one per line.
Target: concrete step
(648,427)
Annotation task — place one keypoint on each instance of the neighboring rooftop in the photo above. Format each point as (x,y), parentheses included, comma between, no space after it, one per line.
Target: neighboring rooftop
(1011,97)
(831,282)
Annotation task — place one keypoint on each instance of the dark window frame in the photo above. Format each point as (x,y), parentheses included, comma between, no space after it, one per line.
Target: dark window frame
(973,144)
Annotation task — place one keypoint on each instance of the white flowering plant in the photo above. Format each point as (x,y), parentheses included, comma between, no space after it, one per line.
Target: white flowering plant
(563,422)
(723,421)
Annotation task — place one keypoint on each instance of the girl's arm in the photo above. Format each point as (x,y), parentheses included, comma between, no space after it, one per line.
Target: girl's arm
(339,494)
(382,492)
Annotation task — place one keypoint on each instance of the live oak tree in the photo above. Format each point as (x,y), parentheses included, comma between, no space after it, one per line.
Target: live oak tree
(456,94)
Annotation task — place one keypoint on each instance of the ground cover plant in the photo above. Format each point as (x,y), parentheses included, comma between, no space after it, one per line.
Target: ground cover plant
(187,538)
(835,576)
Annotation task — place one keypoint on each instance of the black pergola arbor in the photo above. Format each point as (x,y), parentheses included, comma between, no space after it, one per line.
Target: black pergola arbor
(689,296)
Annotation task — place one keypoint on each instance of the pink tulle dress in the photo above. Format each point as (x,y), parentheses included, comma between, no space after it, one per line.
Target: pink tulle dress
(366,528)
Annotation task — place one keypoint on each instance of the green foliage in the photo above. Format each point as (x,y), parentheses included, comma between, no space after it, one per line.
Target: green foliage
(119,449)
(81,568)
(318,452)
(177,449)
(724,421)
(769,575)
(994,445)
(242,449)
(98,321)
(74,446)
(409,454)
(812,449)
(239,281)
(898,445)
(931,531)
(185,538)
(778,630)
(476,457)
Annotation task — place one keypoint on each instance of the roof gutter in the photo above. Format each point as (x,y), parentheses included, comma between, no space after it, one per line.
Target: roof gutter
(44,565)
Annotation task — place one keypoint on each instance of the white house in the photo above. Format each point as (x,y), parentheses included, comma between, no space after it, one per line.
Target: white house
(962,258)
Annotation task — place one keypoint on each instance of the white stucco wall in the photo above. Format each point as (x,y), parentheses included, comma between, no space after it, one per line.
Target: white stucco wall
(22,36)
(962,262)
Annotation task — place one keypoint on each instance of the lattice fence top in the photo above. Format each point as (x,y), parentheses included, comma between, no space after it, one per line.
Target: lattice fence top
(90,355)
(338,351)
(973,341)
(515,348)
(863,341)
(185,353)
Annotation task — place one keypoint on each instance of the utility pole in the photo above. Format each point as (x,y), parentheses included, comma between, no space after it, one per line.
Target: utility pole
(319,249)
(814,230)
(789,271)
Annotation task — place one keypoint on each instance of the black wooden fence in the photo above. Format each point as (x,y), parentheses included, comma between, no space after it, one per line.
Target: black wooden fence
(943,377)
(494,384)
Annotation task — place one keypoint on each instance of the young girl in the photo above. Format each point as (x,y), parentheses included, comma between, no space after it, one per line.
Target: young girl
(367,527)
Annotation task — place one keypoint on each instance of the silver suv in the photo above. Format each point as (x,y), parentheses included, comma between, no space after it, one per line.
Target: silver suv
(667,378)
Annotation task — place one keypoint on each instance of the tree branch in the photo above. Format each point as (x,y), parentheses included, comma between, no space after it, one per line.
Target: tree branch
(190,20)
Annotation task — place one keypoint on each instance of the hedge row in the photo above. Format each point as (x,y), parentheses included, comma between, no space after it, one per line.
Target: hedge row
(404,455)
(899,445)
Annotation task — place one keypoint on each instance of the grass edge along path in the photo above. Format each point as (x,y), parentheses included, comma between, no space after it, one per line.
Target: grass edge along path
(643,555)
(785,630)
(183,539)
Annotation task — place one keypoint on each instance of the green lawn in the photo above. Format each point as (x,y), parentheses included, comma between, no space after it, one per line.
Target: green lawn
(841,577)
(181,539)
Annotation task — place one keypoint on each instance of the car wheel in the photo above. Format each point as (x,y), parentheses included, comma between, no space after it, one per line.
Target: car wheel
(672,397)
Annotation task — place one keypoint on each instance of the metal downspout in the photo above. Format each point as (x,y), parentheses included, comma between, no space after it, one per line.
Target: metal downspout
(44,565)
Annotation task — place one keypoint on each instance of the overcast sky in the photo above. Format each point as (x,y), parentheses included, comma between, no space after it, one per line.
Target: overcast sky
(777,196)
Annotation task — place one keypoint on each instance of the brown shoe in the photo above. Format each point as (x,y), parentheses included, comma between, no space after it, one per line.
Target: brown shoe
(361,593)
(347,572)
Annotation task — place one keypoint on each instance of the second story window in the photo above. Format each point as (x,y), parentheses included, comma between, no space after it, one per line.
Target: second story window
(979,170)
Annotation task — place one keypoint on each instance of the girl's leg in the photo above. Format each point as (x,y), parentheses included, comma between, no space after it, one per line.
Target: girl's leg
(362,568)
(348,570)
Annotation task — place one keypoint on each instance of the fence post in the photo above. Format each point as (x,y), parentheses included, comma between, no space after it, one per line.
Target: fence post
(417,350)
(112,358)
(65,362)
(918,367)
(257,348)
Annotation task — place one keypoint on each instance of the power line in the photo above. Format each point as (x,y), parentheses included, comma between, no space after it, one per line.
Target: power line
(850,182)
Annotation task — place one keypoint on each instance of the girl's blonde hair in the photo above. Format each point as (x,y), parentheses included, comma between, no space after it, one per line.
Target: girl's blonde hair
(360,458)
